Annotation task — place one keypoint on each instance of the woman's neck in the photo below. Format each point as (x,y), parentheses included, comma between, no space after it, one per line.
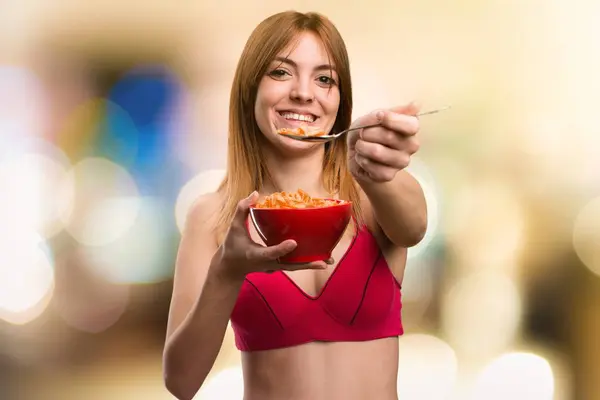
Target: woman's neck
(289,174)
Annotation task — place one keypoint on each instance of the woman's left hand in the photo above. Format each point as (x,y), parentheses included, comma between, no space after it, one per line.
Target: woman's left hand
(377,154)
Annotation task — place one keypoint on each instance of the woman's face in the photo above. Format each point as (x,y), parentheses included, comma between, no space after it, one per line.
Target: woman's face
(299,88)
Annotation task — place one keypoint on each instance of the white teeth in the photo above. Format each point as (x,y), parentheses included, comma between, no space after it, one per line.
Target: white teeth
(298,117)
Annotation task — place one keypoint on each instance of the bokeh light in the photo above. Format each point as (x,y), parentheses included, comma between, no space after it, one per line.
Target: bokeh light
(78,133)
(485,227)
(155,84)
(141,254)
(23,107)
(544,136)
(516,376)
(151,127)
(106,201)
(586,235)
(427,369)
(209,126)
(118,138)
(88,304)
(204,182)
(29,198)
(417,283)
(481,313)
(26,276)
(421,173)
(228,384)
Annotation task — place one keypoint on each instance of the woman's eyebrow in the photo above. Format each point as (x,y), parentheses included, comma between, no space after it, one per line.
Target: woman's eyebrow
(321,67)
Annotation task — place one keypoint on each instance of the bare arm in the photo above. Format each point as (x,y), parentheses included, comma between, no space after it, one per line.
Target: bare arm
(399,208)
(208,279)
(377,158)
(203,298)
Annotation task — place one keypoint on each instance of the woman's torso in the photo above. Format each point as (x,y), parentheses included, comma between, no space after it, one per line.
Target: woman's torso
(323,371)
(326,370)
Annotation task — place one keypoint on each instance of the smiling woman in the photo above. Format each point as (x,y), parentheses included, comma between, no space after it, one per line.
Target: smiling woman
(303,329)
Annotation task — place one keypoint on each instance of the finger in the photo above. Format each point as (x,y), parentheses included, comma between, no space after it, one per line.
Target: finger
(376,171)
(330,261)
(298,267)
(391,139)
(243,208)
(404,124)
(411,108)
(373,118)
(265,254)
(381,155)
(378,116)
(276,266)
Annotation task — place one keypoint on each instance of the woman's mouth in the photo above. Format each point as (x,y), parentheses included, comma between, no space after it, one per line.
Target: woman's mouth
(296,119)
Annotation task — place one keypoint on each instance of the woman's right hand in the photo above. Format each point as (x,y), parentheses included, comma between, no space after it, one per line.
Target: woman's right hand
(240,255)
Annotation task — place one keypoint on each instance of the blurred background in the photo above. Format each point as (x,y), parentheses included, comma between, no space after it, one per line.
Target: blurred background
(113,118)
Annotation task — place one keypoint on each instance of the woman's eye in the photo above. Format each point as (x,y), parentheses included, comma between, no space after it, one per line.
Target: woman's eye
(326,80)
(278,73)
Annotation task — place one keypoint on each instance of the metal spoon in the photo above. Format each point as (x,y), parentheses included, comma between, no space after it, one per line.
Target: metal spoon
(327,138)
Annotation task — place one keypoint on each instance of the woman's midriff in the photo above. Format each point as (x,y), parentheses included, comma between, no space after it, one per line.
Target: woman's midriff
(323,371)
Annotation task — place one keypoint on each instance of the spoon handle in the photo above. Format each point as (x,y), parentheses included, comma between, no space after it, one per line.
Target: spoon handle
(356,128)
(377,124)
(437,110)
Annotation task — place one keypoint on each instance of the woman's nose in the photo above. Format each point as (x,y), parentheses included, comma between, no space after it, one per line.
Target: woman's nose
(302,91)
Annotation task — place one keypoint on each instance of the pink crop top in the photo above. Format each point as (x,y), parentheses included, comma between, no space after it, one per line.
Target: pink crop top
(360,301)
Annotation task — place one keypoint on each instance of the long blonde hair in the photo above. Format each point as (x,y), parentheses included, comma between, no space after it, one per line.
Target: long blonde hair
(246,168)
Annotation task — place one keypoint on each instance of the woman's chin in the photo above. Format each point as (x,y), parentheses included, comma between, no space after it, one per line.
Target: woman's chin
(289,145)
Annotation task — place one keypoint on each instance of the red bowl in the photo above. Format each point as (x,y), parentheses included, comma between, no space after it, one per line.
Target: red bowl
(316,230)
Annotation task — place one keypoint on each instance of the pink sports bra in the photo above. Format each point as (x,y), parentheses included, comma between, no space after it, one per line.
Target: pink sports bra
(360,301)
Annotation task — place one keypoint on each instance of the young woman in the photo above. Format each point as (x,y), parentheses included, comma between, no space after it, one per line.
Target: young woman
(321,331)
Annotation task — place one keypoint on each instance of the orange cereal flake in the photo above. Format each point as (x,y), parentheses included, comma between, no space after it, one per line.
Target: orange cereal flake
(302,131)
(299,199)
(286,131)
